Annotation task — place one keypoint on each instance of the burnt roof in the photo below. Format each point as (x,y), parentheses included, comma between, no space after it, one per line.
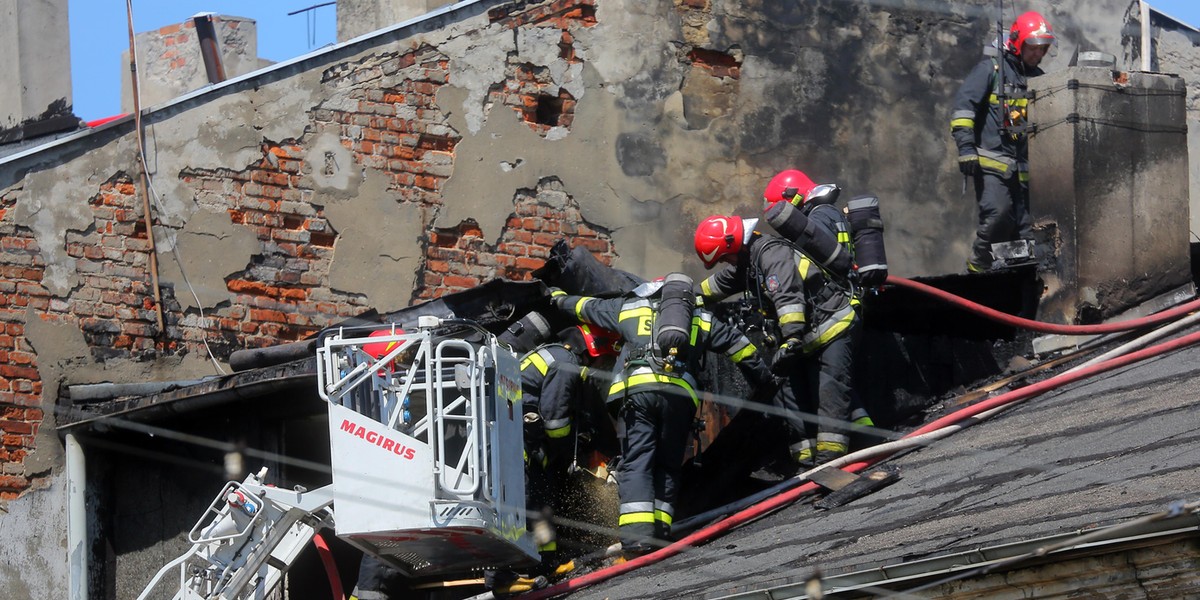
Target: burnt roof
(1103,451)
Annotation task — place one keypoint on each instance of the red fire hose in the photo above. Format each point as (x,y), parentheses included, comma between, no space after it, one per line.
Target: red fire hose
(715,530)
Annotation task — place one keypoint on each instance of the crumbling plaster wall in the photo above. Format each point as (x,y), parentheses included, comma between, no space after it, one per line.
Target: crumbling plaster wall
(427,159)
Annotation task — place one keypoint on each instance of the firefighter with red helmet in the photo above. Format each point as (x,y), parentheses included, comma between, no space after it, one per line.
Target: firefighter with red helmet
(555,388)
(989,124)
(664,339)
(811,313)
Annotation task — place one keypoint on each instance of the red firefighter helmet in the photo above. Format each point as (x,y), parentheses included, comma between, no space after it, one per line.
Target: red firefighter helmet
(718,236)
(600,341)
(379,349)
(787,186)
(1029,28)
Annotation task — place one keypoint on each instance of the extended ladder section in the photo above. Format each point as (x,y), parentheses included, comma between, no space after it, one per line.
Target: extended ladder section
(244,542)
(427,446)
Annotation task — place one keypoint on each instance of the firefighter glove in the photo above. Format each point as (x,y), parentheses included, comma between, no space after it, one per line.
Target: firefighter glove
(785,357)
(969,164)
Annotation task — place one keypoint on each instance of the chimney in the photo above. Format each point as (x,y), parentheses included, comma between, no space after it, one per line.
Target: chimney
(35,99)
(359,17)
(185,57)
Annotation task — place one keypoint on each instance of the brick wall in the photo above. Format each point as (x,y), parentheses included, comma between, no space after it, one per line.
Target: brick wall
(395,130)
(21,268)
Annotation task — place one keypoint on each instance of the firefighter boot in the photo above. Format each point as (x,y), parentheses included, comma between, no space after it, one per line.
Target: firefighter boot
(828,451)
(504,582)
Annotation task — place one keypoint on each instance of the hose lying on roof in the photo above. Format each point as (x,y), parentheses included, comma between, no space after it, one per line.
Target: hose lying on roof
(958,419)
(1032,325)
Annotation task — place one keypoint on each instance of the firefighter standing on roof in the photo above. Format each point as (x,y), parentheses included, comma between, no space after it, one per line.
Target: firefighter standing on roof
(989,126)
(664,337)
(813,310)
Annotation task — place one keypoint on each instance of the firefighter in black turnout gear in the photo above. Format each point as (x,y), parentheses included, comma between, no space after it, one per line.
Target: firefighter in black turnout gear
(664,338)
(989,125)
(809,307)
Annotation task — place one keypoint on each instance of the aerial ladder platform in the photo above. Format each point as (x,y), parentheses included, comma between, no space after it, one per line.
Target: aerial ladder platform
(426,459)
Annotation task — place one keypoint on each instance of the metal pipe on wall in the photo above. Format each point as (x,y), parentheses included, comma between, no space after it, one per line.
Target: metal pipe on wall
(77,538)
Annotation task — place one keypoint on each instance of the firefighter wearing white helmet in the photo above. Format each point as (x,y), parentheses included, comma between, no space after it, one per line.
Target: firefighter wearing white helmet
(989,125)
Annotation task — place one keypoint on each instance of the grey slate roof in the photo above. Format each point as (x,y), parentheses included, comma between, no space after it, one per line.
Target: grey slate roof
(1099,452)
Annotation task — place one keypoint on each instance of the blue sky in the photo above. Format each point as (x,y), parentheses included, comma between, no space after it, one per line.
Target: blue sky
(99,34)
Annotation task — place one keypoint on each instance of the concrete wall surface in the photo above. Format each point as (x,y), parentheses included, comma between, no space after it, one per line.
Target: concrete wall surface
(426,159)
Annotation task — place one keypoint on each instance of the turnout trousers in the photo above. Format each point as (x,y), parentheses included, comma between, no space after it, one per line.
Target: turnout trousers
(820,384)
(656,433)
(1003,214)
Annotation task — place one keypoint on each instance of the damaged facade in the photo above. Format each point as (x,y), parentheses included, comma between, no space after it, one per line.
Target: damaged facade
(426,159)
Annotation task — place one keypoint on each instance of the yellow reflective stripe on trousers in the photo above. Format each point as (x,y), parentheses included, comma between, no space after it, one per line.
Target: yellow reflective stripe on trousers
(645,378)
(832,327)
(635,517)
(558,432)
(663,516)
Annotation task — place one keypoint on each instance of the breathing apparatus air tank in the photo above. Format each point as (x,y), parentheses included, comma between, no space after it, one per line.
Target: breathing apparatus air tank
(818,244)
(673,324)
(866,224)
(527,333)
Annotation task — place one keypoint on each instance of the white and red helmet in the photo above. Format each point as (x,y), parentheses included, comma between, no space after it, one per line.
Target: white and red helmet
(1030,28)
(718,236)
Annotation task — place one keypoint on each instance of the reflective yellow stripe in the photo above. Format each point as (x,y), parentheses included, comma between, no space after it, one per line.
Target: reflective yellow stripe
(989,163)
(812,342)
(663,516)
(635,313)
(537,361)
(637,517)
(741,355)
(561,432)
(706,287)
(551,546)
(968,123)
(796,317)
(579,307)
(1023,176)
(831,447)
(1011,101)
(864,422)
(698,324)
(646,378)
(843,237)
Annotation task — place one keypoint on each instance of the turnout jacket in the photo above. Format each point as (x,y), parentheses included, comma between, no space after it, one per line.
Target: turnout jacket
(978,120)
(809,303)
(633,318)
(551,382)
